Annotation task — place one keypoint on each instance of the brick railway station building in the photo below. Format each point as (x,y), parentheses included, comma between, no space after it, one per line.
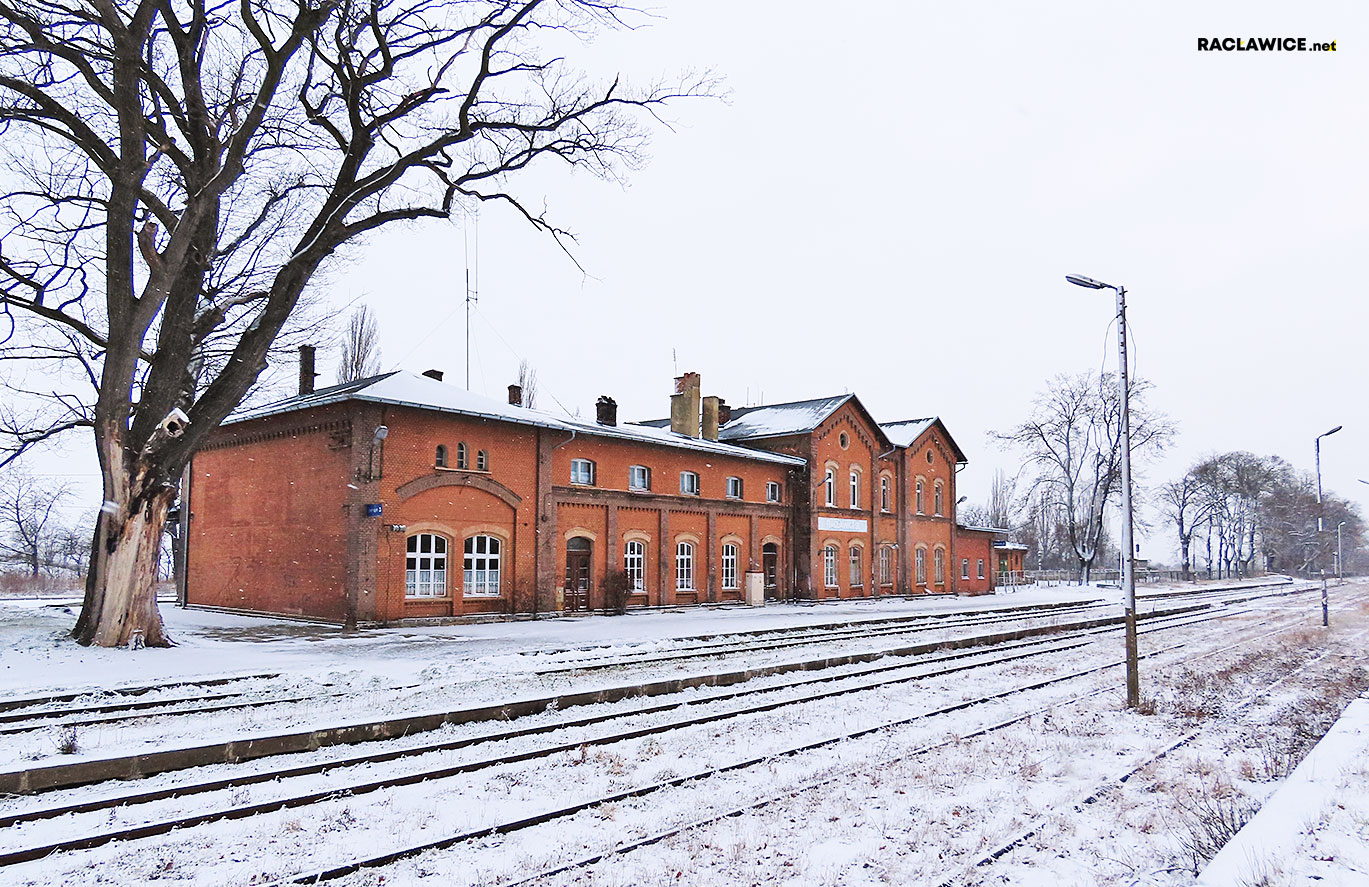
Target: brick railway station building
(401,497)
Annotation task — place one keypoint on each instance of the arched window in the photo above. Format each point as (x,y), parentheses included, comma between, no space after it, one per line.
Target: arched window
(425,566)
(441,460)
(829,566)
(482,567)
(482,461)
(634,564)
(936,498)
(856,573)
(730,566)
(884,492)
(684,566)
(461,456)
(855,488)
(831,483)
(919,498)
(939,561)
(921,566)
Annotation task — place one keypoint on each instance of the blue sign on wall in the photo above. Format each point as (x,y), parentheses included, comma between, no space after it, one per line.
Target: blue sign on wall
(373,510)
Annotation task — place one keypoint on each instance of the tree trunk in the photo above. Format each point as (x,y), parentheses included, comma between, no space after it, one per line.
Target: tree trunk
(1188,572)
(121,593)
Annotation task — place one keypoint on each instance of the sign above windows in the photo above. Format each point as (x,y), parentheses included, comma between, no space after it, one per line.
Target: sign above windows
(843,524)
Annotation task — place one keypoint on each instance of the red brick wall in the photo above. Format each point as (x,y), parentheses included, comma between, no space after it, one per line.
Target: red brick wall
(978,548)
(927,529)
(265,527)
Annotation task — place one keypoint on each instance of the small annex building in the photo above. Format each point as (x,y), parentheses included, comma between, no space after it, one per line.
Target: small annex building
(401,497)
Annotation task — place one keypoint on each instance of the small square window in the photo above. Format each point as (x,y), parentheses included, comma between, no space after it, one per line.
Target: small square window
(689,483)
(734,488)
(582,472)
(772,491)
(639,478)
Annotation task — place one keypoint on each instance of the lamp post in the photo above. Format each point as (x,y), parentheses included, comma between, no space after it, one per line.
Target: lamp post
(1325,610)
(1128,547)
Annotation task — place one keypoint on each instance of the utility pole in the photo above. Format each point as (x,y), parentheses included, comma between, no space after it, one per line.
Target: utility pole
(1325,608)
(1128,545)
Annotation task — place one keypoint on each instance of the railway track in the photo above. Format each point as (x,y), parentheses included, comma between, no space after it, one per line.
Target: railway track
(912,672)
(26,719)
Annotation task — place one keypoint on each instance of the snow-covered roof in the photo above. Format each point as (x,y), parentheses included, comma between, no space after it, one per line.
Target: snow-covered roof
(403,388)
(975,529)
(780,419)
(905,433)
(1011,546)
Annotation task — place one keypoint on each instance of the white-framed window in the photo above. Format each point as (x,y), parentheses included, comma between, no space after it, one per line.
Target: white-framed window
(919,498)
(884,492)
(886,566)
(936,498)
(481,577)
(634,564)
(440,460)
(921,566)
(855,488)
(831,484)
(425,566)
(462,456)
(939,565)
(689,483)
(981,568)
(730,566)
(582,472)
(856,576)
(482,460)
(829,566)
(639,478)
(684,566)
(964,568)
(772,491)
(734,488)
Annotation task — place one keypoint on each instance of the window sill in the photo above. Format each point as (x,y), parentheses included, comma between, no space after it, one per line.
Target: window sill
(412,599)
(461,470)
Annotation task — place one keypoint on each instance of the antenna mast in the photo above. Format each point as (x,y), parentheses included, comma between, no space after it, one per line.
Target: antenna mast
(472,294)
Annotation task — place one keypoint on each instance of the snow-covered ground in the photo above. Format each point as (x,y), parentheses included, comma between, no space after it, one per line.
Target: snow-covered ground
(915,803)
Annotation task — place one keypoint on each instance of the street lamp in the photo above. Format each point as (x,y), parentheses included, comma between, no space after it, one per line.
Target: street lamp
(1325,611)
(1128,547)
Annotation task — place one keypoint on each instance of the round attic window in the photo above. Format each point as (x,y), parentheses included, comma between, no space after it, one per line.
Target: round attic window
(929,457)
(844,440)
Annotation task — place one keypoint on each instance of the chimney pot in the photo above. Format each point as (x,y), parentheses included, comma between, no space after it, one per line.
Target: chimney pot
(306,369)
(433,374)
(724,412)
(606,411)
(516,395)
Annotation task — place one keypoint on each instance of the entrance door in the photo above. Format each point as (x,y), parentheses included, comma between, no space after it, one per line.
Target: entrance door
(579,556)
(770,565)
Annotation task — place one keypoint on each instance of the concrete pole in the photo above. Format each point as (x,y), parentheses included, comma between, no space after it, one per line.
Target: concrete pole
(1128,545)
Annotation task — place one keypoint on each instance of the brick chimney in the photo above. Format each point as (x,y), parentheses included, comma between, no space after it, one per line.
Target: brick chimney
(433,374)
(710,417)
(516,395)
(724,413)
(306,369)
(684,405)
(606,410)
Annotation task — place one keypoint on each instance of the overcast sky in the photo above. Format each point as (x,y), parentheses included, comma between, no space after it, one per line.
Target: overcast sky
(887,203)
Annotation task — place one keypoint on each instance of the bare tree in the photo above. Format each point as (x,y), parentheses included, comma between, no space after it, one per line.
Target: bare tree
(1073,438)
(527,380)
(360,348)
(31,526)
(179,172)
(1183,502)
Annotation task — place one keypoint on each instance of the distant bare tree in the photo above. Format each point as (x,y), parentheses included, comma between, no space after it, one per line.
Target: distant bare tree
(1183,502)
(31,520)
(527,380)
(361,347)
(180,173)
(1073,439)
